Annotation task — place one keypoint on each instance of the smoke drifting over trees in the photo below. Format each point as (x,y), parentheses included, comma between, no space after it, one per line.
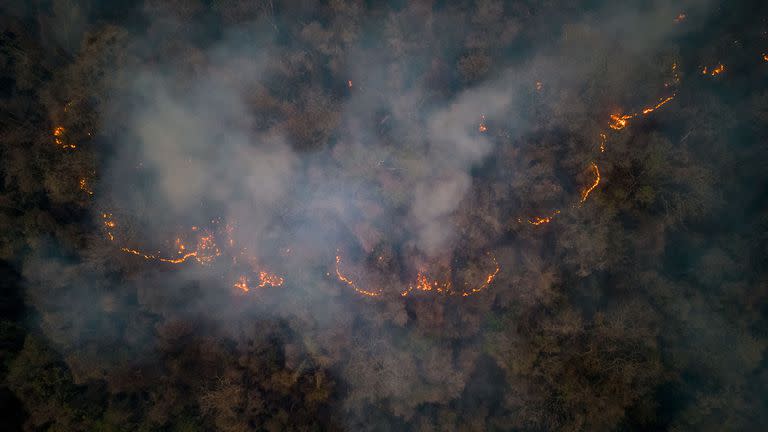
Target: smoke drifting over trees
(452,216)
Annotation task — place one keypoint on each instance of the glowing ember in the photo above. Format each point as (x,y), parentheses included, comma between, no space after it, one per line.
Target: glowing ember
(587,191)
(603,139)
(658,105)
(482,128)
(680,17)
(424,283)
(84,186)
(265,279)
(351,283)
(270,279)
(541,220)
(619,121)
(717,70)
(765,57)
(58,138)
(242,284)
(109,225)
(488,280)
(204,253)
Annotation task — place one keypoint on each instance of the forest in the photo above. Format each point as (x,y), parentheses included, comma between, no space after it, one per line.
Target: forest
(349,215)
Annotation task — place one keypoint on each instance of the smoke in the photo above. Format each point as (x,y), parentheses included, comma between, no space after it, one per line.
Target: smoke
(361,156)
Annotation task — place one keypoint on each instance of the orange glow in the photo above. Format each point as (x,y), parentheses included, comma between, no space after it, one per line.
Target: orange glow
(488,280)
(109,224)
(620,121)
(349,83)
(658,105)
(424,283)
(84,186)
(482,128)
(603,139)
(242,284)
(351,283)
(542,220)
(270,279)
(58,138)
(204,253)
(265,279)
(587,191)
(680,17)
(717,70)
(765,57)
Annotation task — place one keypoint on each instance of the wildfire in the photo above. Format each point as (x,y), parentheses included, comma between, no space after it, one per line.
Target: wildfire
(675,76)
(482,128)
(658,105)
(488,280)
(351,283)
(423,283)
(717,70)
(270,279)
(109,225)
(603,140)
(541,220)
(242,283)
(587,191)
(58,138)
(765,57)
(84,186)
(204,253)
(265,279)
(619,121)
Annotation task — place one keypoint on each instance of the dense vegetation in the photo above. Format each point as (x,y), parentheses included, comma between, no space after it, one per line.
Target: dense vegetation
(353,125)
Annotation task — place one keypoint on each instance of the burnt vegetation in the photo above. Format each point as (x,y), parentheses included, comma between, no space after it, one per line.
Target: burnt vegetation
(605,266)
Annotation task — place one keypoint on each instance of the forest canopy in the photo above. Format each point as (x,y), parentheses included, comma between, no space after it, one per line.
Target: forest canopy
(241,215)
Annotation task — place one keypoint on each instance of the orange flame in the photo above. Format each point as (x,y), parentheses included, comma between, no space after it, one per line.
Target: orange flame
(488,280)
(482,128)
(204,253)
(680,17)
(242,284)
(587,191)
(619,121)
(717,70)
(270,279)
(541,220)
(265,279)
(423,283)
(351,283)
(765,57)
(658,105)
(603,139)
(84,186)
(58,138)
